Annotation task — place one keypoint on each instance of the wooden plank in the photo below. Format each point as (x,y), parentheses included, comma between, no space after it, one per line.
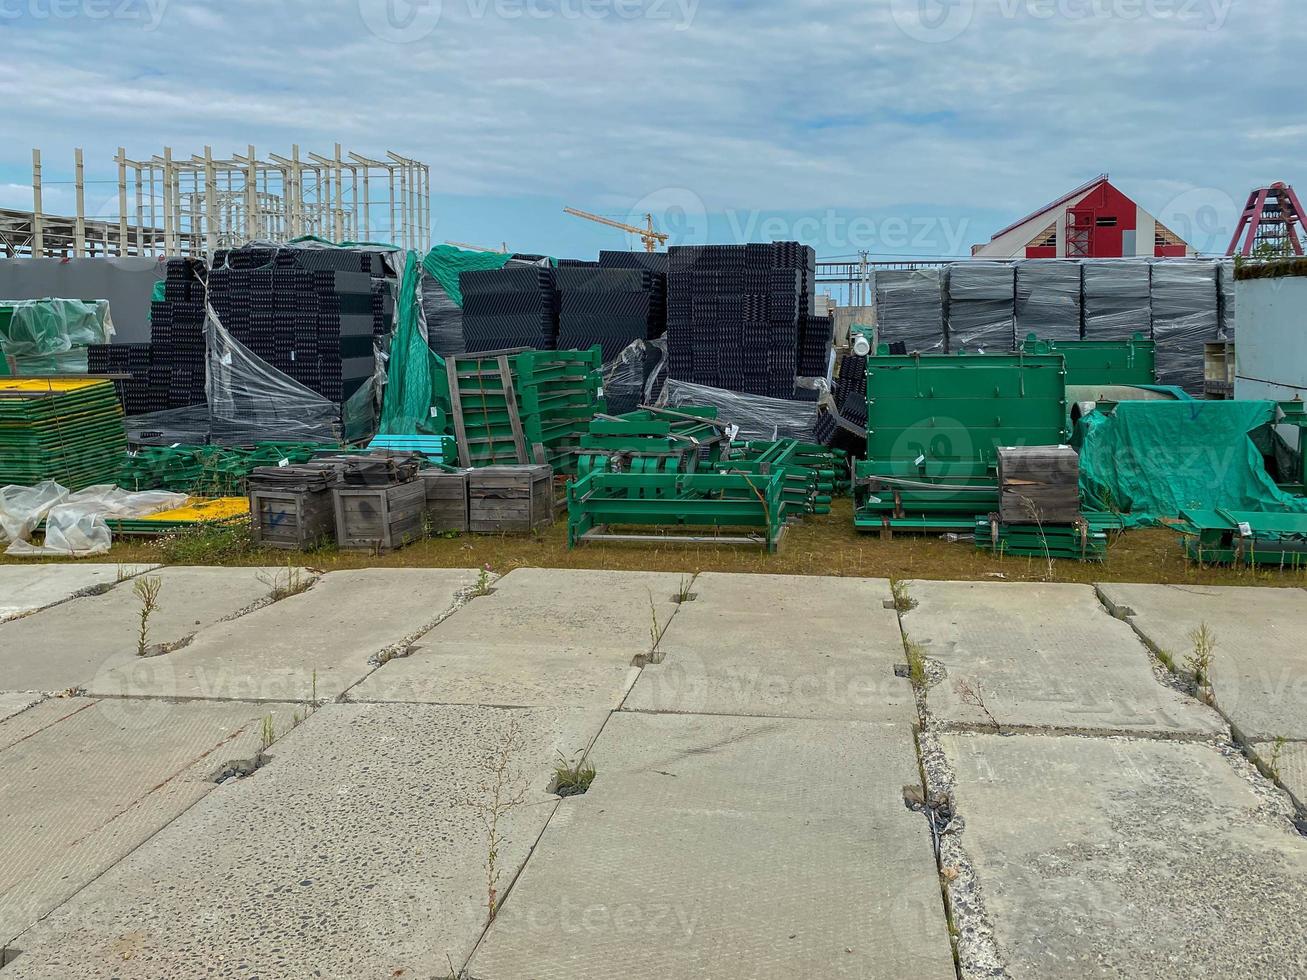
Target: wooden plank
(510,396)
(451,371)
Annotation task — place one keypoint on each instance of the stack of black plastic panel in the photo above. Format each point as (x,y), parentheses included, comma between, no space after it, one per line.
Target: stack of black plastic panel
(849,392)
(312,314)
(734,315)
(608,307)
(815,336)
(176,371)
(512,307)
(129,359)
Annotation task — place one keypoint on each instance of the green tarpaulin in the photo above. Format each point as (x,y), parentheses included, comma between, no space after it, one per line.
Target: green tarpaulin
(410,376)
(445,262)
(1151,460)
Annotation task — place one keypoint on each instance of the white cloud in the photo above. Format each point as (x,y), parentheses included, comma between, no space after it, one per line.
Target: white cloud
(771,104)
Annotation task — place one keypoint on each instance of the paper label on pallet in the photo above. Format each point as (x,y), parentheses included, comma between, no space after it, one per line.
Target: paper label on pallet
(292,355)
(732,431)
(283,462)
(601,391)
(921,459)
(435,412)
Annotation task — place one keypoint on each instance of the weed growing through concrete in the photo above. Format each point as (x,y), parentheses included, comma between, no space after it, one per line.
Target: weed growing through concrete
(903,602)
(1277,750)
(454,973)
(655,631)
(916,663)
(121,574)
(501,792)
(283,584)
(147,591)
(483,582)
(1034,515)
(973,696)
(268,733)
(1199,662)
(572,778)
(683,592)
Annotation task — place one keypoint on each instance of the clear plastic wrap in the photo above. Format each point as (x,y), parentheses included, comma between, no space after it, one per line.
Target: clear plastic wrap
(910,308)
(757,416)
(1117,299)
(1186,316)
(75,523)
(250,401)
(187,426)
(981,306)
(1048,299)
(23,508)
(624,378)
(42,327)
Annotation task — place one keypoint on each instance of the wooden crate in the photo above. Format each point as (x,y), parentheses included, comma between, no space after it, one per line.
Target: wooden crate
(380,518)
(1039,485)
(292,519)
(446,499)
(510,498)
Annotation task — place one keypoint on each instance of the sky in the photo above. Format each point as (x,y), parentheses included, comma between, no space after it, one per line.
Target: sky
(898,127)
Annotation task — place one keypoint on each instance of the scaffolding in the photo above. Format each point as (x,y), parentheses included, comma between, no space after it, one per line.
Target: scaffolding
(172,205)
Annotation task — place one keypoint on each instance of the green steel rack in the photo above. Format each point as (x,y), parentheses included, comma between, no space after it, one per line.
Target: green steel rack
(1227,537)
(66,429)
(521,407)
(603,506)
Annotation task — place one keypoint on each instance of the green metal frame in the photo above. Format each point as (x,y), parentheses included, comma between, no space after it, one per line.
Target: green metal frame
(1226,537)
(1085,541)
(602,500)
(1124,363)
(935,423)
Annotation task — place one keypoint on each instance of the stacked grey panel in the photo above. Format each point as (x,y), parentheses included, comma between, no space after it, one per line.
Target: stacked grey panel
(1116,299)
(910,309)
(1048,299)
(1185,318)
(981,306)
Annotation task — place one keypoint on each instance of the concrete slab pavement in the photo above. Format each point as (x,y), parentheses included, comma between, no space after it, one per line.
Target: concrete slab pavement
(322,638)
(1291,765)
(1130,858)
(1044,655)
(781,645)
(354,854)
(548,637)
(1259,670)
(12,702)
(68,645)
(85,782)
(26,588)
(730,848)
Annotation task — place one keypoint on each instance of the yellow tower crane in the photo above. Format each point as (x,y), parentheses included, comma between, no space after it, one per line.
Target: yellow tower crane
(652,239)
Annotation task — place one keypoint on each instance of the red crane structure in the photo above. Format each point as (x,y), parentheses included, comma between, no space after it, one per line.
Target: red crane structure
(1273,217)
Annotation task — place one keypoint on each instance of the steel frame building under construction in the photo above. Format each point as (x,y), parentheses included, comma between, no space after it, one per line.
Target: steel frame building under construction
(172,205)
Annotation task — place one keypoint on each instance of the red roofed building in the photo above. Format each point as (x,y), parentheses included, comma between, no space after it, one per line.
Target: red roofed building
(1094,221)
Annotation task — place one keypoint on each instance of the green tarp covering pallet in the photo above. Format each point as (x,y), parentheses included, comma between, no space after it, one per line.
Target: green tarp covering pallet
(69,430)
